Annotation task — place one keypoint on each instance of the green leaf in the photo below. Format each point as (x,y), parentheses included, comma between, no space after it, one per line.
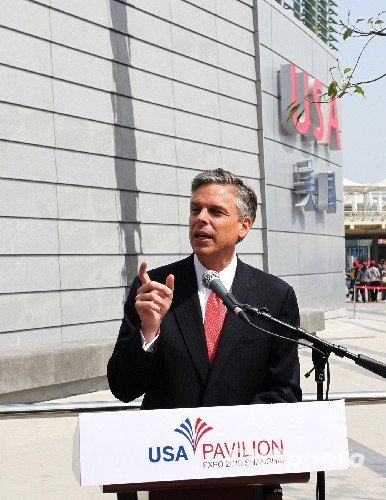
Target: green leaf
(360,19)
(359,90)
(379,21)
(293,110)
(299,116)
(348,32)
(332,89)
(347,70)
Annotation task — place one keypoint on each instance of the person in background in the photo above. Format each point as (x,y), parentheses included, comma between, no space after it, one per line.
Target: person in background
(361,279)
(356,267)
(382,272)
(371,275)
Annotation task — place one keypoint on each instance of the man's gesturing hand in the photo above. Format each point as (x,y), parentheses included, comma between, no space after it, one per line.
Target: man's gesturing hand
(152,302)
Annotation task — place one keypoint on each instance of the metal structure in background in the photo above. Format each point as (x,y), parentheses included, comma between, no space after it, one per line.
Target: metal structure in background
(74,408)
(320,16)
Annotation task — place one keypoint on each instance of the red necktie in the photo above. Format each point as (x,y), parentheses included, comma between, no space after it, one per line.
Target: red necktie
(214,319)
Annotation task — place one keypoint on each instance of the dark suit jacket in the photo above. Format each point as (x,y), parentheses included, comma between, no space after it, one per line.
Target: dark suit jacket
(249,366)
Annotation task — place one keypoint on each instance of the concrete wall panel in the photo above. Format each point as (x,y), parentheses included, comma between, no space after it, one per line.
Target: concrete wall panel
(23,161)
(197,128)
(84,306)
(27,199)
(82,35)
(241,163)
(20,87)
(160,239)
(29,274)
(26,339)
(21,51)
(29,311)
(237,12)
(87,203)
(236,62)
(26,125)
(96,11)
(187,15)
(158,209)
(27,17)
(28,236)
(78,237)
(153,148)
(195,73)
(141,25)
(239,138)
(160,8)
(69,64)
(197,156)
(195,100)
(264,22)
(91,331)
(239,38)
(300,48)
(238,112)
(236,86)
(193,45)
(92,271)
(147,57)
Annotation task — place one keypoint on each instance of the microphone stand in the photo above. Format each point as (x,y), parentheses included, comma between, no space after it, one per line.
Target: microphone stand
(320,354)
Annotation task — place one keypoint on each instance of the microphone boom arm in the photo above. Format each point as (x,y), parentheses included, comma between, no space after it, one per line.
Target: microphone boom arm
(365,362)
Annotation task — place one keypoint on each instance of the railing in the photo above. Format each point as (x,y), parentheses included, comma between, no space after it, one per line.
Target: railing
(362,216)
(66,409)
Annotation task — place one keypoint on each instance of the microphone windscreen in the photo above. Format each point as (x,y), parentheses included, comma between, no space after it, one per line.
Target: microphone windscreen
(208,277)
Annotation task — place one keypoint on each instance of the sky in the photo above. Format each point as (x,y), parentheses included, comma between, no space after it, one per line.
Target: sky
(363,120)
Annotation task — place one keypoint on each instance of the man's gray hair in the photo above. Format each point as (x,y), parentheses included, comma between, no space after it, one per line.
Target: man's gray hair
(246,200)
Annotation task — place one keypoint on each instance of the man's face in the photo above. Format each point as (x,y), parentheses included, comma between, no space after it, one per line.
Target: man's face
(214,226)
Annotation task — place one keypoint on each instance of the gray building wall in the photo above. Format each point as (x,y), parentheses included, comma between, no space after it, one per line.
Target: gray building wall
(108,108)
(306,249)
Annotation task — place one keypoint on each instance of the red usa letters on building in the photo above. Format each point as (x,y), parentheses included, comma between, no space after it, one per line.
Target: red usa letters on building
(319,121)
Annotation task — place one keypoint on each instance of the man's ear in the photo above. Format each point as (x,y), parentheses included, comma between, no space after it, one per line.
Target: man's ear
(246,225)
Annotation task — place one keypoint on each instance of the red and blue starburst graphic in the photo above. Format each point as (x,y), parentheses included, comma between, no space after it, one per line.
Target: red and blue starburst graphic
(193,435)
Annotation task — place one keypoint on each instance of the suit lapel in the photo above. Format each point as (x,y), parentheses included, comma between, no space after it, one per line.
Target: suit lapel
(187,310)
(242,286)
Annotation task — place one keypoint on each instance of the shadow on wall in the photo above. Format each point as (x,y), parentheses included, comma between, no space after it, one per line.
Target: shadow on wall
(125,145)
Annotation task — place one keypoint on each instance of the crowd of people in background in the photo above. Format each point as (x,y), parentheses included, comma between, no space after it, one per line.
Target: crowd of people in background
(372,275)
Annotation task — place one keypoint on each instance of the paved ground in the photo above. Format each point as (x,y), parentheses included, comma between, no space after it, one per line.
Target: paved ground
(35,454)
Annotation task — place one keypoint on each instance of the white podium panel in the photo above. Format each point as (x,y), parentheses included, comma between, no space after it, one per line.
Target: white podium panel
(199,443)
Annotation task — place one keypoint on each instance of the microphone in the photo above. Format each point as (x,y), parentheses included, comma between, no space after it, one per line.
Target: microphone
(211,279)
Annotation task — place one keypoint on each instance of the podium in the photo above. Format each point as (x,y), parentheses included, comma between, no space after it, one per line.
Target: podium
(172,453)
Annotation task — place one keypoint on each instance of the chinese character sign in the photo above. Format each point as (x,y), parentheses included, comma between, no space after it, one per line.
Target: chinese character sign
(314,192)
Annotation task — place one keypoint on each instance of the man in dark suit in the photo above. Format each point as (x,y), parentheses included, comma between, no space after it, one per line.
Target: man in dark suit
(164,350)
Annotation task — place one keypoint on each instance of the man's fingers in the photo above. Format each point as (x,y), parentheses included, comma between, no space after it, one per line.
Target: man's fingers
(143,276)
(170,282)
(151,297)
(155,286)
(147,307)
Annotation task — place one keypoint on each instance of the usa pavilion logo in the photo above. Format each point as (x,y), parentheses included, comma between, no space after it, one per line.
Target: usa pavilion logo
(192,435)
(226,453)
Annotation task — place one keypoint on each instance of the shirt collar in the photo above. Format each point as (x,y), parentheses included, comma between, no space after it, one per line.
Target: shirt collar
(226,275)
